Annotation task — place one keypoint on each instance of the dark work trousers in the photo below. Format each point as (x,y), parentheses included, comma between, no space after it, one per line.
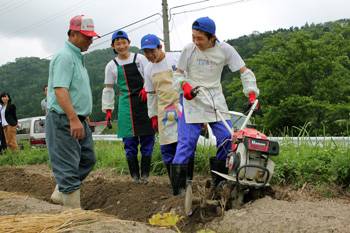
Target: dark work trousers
(3,145)
(71,159)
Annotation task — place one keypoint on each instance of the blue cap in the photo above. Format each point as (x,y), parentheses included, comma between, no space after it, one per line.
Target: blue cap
(205,24)
(119,34)
(149,41)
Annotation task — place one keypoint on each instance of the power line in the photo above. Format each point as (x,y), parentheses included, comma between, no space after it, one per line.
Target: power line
(178,37)
(97,38)
(8,2)
(130,24)
(47,20)
(141,26)
(3,10)
(203,8)
(185,5)
(219,5)
(224,4)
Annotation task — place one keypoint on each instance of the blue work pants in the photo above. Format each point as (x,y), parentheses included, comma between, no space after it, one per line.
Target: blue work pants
(146,145)
(188,136)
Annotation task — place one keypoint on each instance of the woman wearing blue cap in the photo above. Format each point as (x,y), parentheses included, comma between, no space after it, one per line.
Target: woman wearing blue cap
(203,60)
(162,99)
(134,126)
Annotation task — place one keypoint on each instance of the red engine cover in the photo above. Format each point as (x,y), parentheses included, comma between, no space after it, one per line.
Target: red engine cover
(249,132)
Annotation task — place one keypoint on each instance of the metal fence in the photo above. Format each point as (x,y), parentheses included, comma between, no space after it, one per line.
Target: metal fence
(311,140)
(111,137)
(281,140)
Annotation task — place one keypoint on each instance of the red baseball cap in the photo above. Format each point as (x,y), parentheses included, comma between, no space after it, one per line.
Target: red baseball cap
(83,25)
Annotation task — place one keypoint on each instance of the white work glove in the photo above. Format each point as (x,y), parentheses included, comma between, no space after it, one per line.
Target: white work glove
(178,79)
(249,83)
(108,99)
(152,105)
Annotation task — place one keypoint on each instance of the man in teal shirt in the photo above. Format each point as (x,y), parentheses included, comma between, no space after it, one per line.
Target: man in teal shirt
(69,100)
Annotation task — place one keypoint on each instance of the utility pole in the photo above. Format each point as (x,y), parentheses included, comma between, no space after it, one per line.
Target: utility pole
(166,26)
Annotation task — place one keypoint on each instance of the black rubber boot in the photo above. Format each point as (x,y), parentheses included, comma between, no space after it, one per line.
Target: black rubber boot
(167,165)
(218,165)
(178,178)
(134,168)
(145,167)
(190,167)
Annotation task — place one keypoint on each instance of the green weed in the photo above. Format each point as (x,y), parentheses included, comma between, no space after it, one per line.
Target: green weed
(26,156)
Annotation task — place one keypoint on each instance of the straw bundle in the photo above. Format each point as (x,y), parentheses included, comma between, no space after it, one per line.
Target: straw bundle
(62,222)
(4,195)
(68,220)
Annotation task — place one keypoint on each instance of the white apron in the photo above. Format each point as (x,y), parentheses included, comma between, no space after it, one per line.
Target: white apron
(168,106)
(205,70)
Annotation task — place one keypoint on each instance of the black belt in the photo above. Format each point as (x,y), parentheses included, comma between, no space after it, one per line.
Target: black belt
(81,118)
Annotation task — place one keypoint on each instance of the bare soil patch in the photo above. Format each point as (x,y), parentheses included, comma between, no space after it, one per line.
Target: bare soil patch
(125,206)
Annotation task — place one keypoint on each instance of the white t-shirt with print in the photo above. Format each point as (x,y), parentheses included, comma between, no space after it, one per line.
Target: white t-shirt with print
(169,62)
(232,58)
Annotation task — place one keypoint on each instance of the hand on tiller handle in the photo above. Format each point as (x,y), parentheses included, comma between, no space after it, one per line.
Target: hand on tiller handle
(143,95)
(155,123)
(257,110)
(109,119)
(189,92)
(252,99)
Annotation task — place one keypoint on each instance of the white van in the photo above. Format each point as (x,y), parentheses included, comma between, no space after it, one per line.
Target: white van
(207,136)
(32,130)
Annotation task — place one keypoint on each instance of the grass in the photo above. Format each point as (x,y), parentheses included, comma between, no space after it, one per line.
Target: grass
(322,165)
(26,156)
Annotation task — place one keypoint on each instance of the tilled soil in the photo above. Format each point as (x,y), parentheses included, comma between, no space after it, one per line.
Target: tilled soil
(271,210)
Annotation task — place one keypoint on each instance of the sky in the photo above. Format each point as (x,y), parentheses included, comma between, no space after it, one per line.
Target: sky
(38,28)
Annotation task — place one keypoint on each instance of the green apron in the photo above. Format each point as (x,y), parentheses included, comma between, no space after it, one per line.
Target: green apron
(132,112)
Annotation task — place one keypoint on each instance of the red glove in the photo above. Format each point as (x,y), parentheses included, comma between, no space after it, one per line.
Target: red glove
(155,123)
(109,118)
(252,98)
(187,91)
(143,95)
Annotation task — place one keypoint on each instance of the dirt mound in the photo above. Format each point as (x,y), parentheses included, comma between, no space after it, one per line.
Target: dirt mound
(103,190)
(270,210)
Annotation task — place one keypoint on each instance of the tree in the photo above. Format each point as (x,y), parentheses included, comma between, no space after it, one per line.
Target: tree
(302,79)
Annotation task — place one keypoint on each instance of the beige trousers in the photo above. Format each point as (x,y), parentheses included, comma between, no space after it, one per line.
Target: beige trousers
(10,137)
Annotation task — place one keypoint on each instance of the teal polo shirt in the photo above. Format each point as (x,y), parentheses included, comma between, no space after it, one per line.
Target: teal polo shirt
(67,69)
